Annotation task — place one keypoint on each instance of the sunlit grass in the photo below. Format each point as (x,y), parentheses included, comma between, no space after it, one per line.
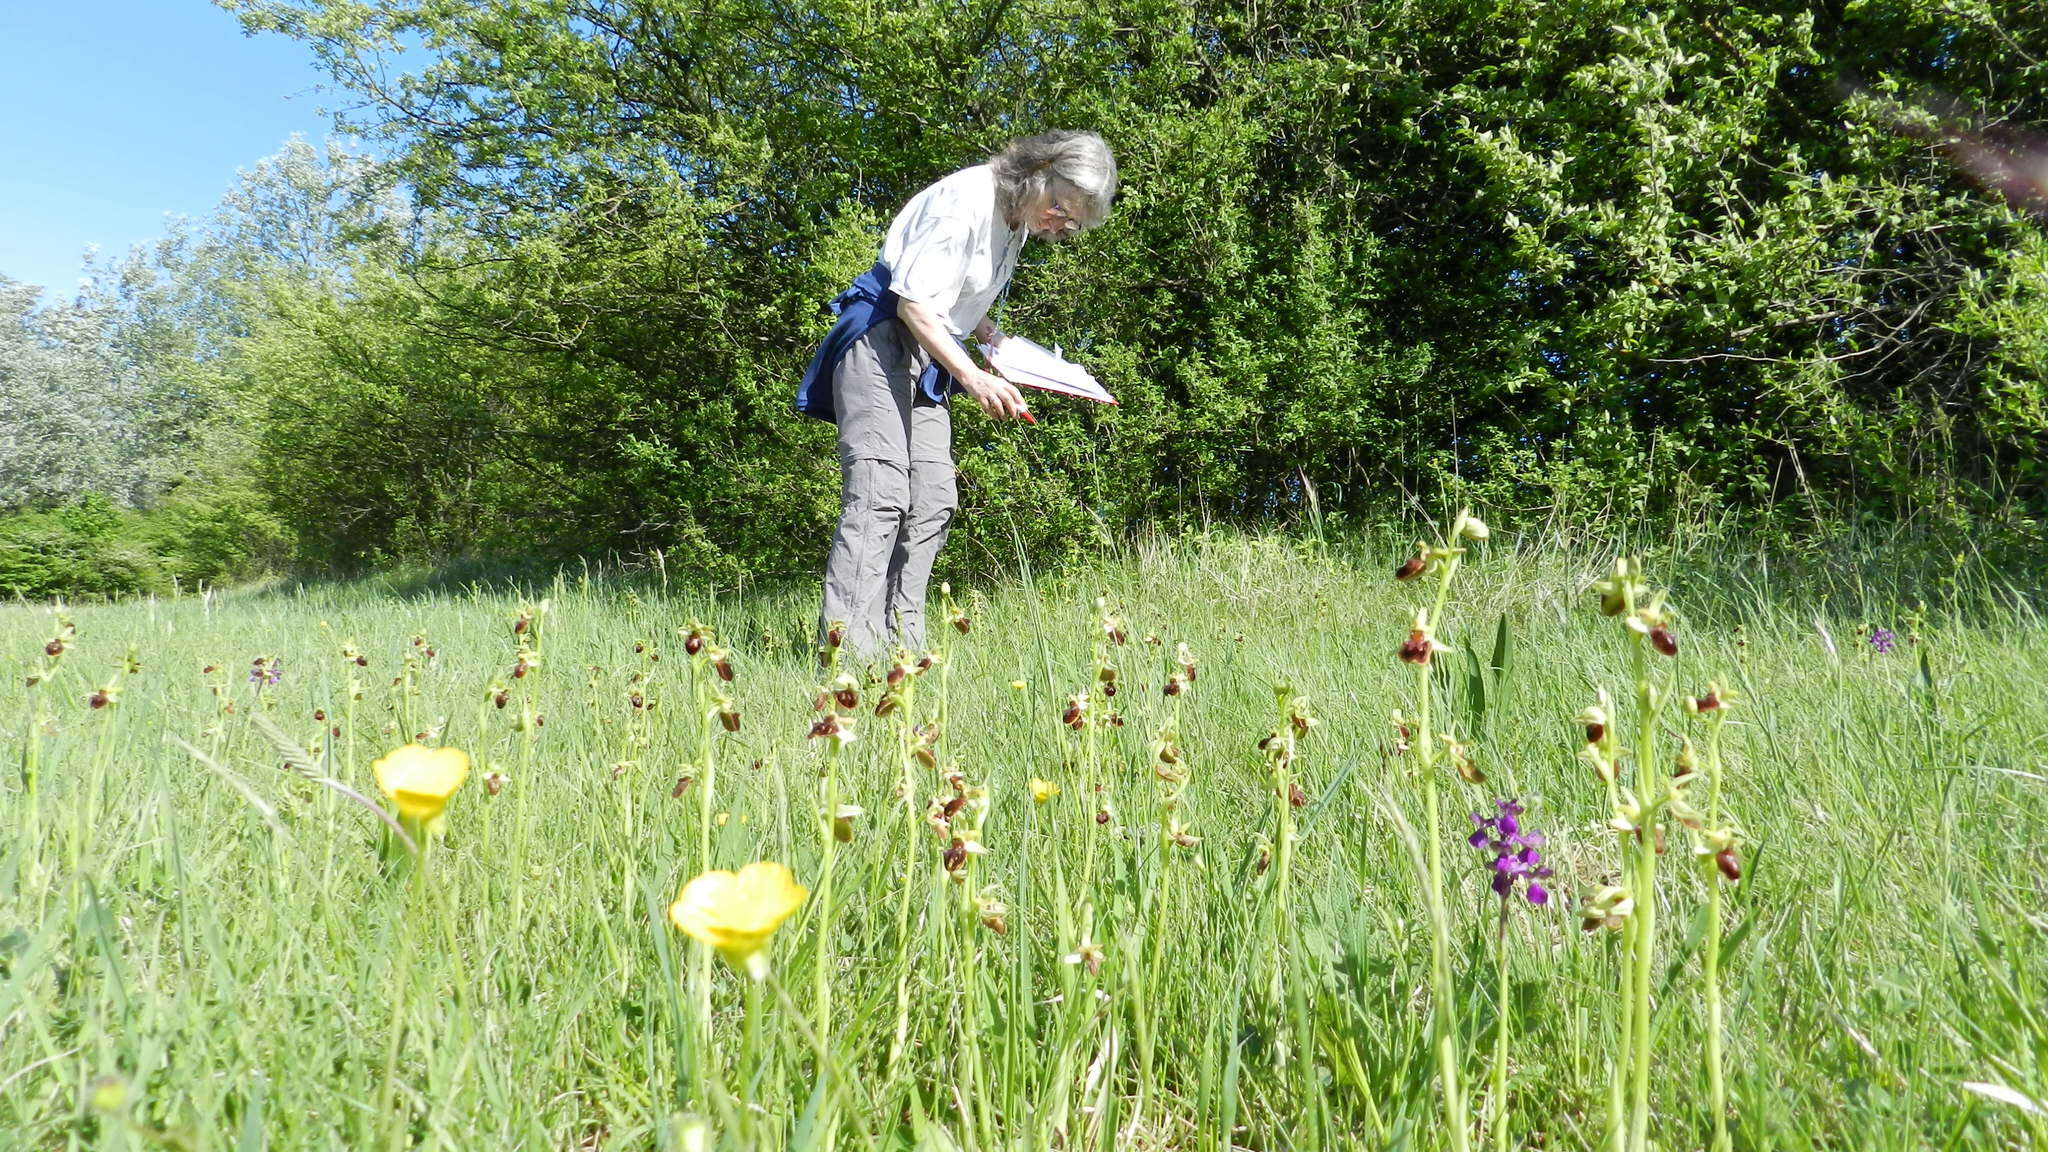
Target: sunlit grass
(199,947)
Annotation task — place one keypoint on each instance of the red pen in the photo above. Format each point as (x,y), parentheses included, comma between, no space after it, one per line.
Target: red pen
(1027,417)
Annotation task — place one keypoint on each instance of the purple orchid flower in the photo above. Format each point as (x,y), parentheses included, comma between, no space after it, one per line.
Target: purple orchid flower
(1516,854)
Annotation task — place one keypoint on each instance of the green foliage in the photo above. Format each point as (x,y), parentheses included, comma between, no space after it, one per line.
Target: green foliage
(1580,261)
(197,533)
(89,549)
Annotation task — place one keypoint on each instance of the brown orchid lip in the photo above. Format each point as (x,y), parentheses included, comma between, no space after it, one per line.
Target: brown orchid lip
(1416,649)
(1409,569)
(1663,641)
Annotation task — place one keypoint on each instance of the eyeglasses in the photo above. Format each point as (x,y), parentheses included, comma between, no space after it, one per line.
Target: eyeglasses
(1065,215)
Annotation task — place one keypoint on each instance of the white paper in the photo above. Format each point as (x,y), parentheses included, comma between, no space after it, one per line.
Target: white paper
(1032,365)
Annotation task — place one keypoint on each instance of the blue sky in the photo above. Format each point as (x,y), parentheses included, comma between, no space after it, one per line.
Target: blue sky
(115,113)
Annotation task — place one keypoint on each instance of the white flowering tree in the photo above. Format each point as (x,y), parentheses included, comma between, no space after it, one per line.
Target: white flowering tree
(67,405)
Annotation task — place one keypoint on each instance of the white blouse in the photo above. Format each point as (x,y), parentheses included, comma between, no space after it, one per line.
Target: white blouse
(949,250)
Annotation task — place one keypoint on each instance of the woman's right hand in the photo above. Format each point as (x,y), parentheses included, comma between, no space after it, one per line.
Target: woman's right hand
(999,398)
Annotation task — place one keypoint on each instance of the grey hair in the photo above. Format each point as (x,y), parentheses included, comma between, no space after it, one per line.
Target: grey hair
(1030,166)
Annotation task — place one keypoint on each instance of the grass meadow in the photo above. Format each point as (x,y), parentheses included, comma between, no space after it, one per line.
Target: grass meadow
(207,943)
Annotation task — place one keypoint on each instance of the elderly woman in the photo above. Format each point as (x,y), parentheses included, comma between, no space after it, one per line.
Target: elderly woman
(895,355)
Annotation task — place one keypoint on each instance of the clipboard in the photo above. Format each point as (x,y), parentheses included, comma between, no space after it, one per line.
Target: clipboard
(1032,365)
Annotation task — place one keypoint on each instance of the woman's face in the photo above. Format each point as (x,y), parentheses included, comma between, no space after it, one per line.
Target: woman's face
(1052,215)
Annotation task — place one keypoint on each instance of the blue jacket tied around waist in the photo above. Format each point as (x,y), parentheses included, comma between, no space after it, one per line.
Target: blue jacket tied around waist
(868,303)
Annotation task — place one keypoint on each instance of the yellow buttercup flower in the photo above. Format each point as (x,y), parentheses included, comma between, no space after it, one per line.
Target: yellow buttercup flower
(420,780)
(1043,790)
(738,912)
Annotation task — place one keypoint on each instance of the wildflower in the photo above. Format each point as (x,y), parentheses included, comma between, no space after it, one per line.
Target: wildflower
(1470,527)
(265,671)
(1298,714)
(834,727)
(842,822)
(54,648)
(1017,684)
(1619,589)
(1594,718)
(1652,621)
(1421,644)
(1076,715)
(992,915)
(494,783)
(1716,698)
(1607,908)
(1412,567)
(738,912)
(845,691)
(101,698)
(1516,852)
(1686,768)
(1088,954)
(1459,753)
(1043,790)
(420,780)
(1882,640)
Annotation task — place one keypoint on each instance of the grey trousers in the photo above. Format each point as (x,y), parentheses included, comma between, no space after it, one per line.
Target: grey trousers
(897,493)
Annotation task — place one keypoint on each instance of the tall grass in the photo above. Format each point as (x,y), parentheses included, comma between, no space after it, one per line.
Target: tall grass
(202,949)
